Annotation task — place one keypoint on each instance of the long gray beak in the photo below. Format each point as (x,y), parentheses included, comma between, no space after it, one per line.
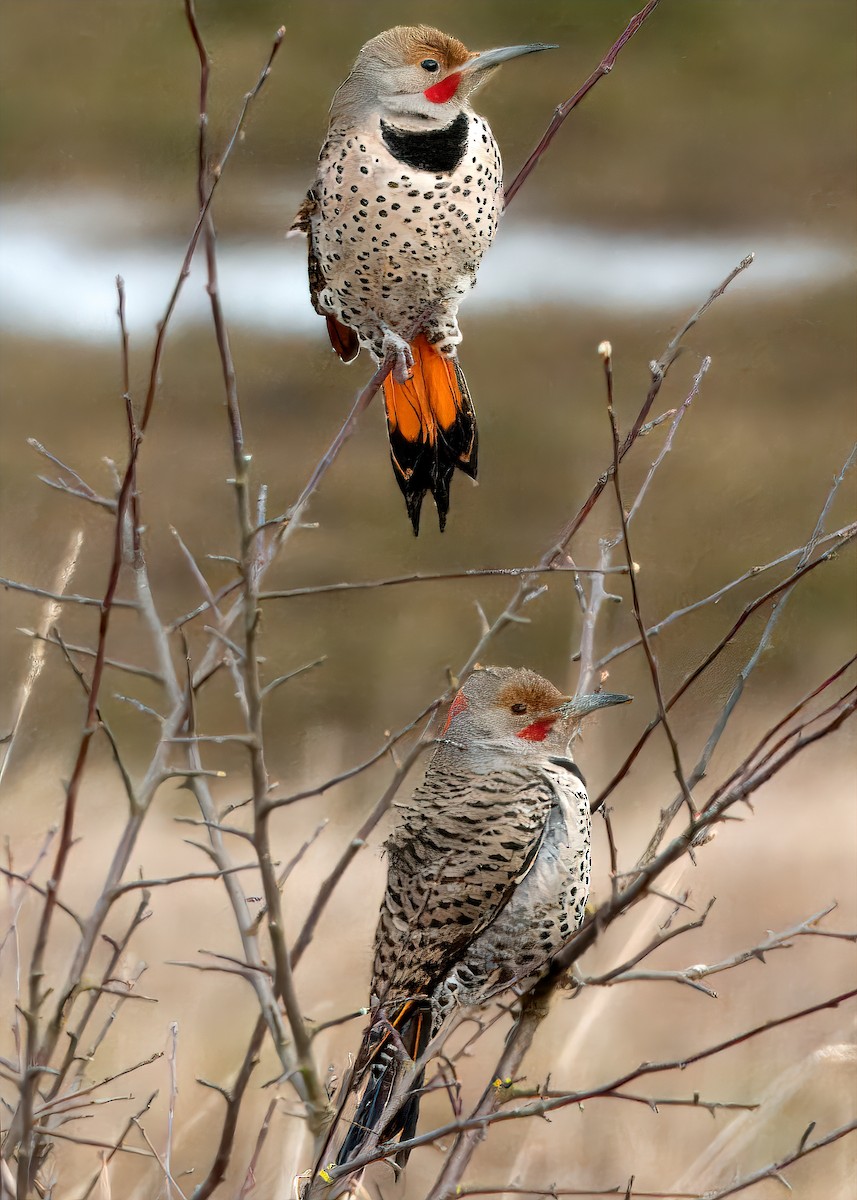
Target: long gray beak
(581,706)
(493,58)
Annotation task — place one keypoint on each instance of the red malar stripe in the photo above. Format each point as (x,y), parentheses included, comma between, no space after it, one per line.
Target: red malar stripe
(538,731)
(439,93)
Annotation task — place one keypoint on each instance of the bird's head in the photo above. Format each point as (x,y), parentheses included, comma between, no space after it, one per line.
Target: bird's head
(517,711)
(417,76)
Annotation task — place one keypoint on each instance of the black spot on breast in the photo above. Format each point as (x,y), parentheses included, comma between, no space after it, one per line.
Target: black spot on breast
(435,150)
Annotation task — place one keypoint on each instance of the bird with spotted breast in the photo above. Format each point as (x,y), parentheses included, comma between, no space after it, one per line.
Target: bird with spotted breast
(488,877)
(405,203)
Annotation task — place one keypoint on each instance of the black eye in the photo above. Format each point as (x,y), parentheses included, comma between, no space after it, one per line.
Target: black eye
(519,708)
(430,64)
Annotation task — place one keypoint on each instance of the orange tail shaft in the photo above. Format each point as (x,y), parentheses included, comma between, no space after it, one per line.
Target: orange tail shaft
(432,429)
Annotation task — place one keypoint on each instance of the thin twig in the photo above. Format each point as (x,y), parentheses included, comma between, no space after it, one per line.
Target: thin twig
(437,577)
(217,1170)
(773,1169)
(306,1078)
(607,358)
(840,536)
(480,1120)
(604,68)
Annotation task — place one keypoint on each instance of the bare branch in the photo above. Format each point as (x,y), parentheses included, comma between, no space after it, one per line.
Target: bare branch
(773,1169)
(343,776)
(604,68)
(481,1120)
(290,675)
(217,1170)
(78,487)
(763,643)
(693,974)
(307,1079)
(135,884)
(841,536)
(659,370)
(118,1146)
(752,607)
(62,597)
(250,1178)
(606,354)
(436,577)
(88,652)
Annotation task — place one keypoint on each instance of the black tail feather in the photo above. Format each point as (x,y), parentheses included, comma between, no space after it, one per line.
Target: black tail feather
(383,1072)
(426,447)
(424,466)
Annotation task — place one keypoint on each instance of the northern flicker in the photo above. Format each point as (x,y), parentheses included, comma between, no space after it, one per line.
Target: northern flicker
(488,877)
(405,203)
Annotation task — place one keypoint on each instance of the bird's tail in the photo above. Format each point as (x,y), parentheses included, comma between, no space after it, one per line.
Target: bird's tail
(413,1028)
(432,428)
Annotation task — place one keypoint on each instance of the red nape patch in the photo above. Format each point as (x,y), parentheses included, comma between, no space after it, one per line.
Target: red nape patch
(458,705)
(439,93)
(538,731)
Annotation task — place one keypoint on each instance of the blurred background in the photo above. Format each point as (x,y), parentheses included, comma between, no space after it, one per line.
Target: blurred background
(726,126)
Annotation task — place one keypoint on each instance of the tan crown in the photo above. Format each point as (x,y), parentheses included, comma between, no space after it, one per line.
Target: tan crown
(539,695)
(412,43)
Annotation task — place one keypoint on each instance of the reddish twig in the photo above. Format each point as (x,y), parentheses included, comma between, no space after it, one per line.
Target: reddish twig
(234,1098)
(604,68)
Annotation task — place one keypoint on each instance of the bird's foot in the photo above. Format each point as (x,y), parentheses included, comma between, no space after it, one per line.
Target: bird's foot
(396,348)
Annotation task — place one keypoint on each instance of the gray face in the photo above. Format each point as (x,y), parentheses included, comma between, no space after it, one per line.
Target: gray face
(396,69)
(506,706)
(518,710)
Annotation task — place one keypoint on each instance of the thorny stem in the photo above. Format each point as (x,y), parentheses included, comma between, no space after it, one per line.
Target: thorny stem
(75,1035)
(217,1170)
(691,975)
(322,589)
(492,1115)
(772,1171)
(442,577)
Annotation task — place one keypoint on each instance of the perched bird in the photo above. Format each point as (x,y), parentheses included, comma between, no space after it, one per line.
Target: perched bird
(488,877)
(405,203)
